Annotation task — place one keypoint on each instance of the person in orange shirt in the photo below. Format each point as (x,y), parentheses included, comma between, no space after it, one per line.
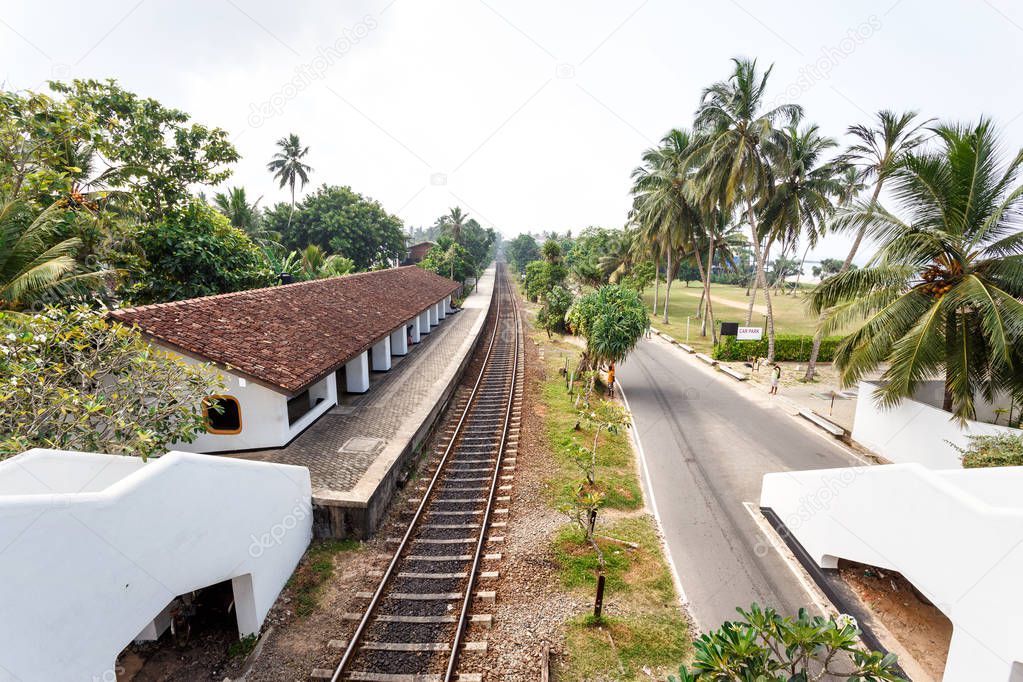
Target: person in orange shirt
(611,380)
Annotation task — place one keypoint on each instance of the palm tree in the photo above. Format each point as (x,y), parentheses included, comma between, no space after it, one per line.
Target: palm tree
(877,155)
(943,293)
(235,205)
(663,201)
(452,223)
(733,161)
(34,260)
(288,167)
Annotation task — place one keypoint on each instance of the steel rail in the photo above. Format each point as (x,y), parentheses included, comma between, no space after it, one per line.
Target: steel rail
(353,643)
(463,618)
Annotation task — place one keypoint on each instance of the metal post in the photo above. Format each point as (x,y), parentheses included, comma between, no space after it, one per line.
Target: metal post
(598,605)
(688,317)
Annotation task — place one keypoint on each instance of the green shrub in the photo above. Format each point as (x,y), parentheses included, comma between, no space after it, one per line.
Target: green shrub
(787,347)
(1004,450)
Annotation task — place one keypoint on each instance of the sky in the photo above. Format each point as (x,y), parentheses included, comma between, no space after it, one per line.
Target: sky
(530,115)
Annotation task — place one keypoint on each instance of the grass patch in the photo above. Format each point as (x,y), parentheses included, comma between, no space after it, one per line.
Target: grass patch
(313,572)
(730,303)
(624,647)
(615,468)
(243,647)
(647,629)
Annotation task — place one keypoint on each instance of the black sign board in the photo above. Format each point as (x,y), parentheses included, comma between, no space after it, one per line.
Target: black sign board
(729,329)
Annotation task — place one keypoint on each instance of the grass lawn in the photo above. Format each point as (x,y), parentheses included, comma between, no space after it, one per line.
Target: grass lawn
(730,304)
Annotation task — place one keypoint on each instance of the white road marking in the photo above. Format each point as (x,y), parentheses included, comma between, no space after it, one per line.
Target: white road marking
(634,434)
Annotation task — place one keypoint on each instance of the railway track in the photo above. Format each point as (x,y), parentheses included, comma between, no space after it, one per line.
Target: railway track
(415,623)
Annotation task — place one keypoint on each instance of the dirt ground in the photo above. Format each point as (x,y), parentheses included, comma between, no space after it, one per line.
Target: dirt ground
(920,627)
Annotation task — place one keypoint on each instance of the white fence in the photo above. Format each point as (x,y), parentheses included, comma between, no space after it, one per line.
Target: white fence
(93,549)
(956,535)
(914,431)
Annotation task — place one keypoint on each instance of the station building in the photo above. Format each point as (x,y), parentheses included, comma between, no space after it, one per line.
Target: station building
(288,353)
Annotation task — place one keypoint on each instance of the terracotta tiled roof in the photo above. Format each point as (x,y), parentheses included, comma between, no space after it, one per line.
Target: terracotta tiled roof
(292,335)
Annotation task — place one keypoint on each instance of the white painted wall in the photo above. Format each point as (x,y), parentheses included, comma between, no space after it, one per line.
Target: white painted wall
(96,546)
(264,415)
(956,535)
(913,431)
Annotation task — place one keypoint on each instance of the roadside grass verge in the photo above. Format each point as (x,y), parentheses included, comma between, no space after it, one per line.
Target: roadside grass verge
(313,572)
(643,632)
(615,467)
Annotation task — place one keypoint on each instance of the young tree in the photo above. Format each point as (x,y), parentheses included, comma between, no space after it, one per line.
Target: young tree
(551,316)
(612,320)
(767,647)
(522,250)
(75,381)
(943,294)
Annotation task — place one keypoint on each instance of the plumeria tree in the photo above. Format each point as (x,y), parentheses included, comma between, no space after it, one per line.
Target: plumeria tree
(72,380)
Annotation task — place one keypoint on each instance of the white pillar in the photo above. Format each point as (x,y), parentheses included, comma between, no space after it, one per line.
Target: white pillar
(424,322)
(357,374)
(382,355)
(414,323)
(442,310)
(434,316)
(447,304)
(399,341)
(245,605)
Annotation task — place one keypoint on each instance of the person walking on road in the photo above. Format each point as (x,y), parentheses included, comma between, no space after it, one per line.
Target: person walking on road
(775,378)
(611,381)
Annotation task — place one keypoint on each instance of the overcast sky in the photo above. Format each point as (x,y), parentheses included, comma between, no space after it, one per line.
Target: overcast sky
(529,114)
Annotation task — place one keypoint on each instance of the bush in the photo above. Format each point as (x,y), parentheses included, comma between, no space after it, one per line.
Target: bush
(787,347)
(1004,450)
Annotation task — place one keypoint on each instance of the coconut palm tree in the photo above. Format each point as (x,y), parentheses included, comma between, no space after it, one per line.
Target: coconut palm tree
(877,154)
(663,201)
(288,167)
(850,186)
(734,157)
(34,260)
(943,294)
(235,205)
(452,223)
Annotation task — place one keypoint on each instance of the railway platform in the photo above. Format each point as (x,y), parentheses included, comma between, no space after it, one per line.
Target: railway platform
(356,452)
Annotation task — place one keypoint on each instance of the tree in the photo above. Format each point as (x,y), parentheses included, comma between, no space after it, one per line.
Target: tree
(877,154)
(827,267)
(551,316)
(449,259)
(236,207)
(452,223)
(151,151)
(522,250)
(943,294)
(341,221)
(74,381)
(288,167)
(34,259)
(612,320)
(195,252)
(541,277)
(767,647)
(734,156)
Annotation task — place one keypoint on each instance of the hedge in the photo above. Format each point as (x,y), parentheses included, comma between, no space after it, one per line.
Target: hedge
(790,347)
(1003,450)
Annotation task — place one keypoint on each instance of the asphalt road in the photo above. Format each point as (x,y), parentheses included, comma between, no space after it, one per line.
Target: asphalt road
(707,444)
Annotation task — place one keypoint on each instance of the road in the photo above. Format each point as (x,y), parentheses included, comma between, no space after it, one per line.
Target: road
(707,445)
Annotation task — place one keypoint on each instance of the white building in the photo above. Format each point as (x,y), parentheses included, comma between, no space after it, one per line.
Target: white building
(98,550)
(287,353)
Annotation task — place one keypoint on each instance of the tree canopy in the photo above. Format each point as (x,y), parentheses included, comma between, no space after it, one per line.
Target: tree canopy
(342,221)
